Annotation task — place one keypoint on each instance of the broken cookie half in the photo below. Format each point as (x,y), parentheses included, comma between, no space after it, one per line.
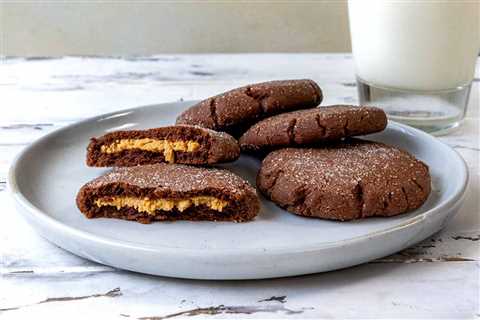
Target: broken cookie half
(169,192)
(173,144)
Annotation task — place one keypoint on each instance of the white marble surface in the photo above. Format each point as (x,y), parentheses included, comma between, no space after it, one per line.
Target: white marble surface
(438,278)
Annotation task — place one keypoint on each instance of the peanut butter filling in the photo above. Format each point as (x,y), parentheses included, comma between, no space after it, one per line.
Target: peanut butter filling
(166,146)
(151,205)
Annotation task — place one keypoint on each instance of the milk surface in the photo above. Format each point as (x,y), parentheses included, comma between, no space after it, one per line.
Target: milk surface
(415,45)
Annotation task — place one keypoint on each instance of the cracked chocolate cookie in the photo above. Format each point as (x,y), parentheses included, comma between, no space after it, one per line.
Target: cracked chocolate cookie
(234,111)
(310,126)
(348,180)
(173,144)
(169,192)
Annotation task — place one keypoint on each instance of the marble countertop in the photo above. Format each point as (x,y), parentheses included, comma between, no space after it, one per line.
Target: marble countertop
(436,278)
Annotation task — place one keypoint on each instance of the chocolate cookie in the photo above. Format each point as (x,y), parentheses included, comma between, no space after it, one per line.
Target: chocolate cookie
(174,144)
(234,111)
(169,192)
(344,181)
(310,126)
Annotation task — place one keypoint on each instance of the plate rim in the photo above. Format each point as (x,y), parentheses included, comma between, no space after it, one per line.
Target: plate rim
(38,214)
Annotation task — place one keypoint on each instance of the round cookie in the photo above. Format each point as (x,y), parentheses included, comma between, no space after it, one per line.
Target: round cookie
(310,126)
(344,181)
(235,110)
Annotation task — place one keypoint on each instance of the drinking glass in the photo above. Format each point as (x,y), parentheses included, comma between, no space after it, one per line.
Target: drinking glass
(416,59)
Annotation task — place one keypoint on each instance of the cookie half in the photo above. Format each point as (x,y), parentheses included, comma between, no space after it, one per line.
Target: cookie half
(169,192)
(234,111)
(311,126)
(173,144)
(345,181)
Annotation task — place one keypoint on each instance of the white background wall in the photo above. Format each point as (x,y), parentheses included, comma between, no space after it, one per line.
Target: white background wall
(38,28)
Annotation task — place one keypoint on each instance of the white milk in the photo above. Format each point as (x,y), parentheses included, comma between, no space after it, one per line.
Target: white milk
(415,45)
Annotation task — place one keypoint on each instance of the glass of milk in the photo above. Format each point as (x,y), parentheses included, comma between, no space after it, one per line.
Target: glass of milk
(416,58)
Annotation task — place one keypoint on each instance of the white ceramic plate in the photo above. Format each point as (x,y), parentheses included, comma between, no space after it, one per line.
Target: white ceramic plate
(46,176)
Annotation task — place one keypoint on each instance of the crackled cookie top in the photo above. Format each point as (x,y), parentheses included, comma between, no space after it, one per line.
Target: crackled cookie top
(234,111)
(305,127)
